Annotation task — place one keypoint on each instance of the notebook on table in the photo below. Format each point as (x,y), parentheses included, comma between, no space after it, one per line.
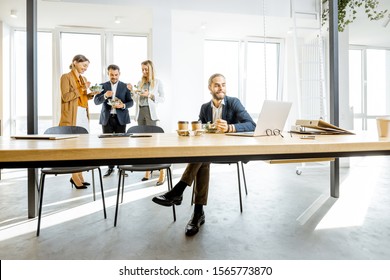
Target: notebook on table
(273,116)
(109,135)
(46,136)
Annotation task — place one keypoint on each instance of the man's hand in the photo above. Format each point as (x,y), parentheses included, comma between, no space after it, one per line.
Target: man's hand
(118,104)
(221,125)
(108,94)
(144,93)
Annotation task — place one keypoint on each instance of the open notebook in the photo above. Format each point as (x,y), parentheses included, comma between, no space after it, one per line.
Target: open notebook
(273,116)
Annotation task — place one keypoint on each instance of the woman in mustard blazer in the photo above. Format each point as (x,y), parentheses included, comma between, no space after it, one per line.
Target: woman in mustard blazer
(74,103)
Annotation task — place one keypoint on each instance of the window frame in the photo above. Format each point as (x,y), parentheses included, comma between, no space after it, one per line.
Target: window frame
(106,39)
(242,57)
(363,115)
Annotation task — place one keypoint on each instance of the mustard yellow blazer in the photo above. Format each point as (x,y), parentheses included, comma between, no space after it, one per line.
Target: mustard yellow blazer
(70,93)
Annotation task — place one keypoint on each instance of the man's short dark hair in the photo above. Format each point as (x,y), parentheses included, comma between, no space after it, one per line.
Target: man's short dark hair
(113,67)
(214,76)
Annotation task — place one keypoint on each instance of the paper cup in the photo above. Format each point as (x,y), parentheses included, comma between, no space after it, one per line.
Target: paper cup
(196,125)
(182,125)
(383,125)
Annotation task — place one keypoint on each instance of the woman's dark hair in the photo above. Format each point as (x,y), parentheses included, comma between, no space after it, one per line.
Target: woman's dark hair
(78,58)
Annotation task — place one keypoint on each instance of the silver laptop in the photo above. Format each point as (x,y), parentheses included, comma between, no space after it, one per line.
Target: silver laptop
(273,116)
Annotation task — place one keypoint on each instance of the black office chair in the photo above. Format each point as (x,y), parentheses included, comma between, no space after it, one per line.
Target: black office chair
(142,167)
(238,178)
(67,170)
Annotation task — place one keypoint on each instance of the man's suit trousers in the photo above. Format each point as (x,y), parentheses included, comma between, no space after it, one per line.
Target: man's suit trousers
(200,172)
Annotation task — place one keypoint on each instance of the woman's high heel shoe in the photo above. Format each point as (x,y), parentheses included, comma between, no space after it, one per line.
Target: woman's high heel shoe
(161,179)
(149,176)
(77,187)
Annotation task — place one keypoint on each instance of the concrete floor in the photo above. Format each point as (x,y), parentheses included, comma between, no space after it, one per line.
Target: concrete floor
(285,217)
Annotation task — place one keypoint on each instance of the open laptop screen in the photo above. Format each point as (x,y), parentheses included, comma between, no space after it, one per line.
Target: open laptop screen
(273,116)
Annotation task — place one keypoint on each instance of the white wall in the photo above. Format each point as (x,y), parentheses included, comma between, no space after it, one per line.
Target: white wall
(4,76)
(345,113)
(290,87)
(1,78)
(162,58)
(178,58)
(188,78)
(388,81)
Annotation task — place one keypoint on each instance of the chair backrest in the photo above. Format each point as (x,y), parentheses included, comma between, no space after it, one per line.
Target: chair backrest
(145,129)
(66,130)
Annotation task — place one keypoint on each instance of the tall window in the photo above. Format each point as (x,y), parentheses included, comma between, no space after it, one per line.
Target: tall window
(261,74)
(222,57)
(88,45)
(356,97)
(369,69)
(19,81)
(248,75)
(127,51)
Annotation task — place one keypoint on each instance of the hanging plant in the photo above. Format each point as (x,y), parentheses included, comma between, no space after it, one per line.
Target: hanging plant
(349,8)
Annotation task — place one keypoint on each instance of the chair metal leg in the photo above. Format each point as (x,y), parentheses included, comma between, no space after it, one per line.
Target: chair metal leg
(123,184)
(40,183)
(169,176)
(41,189)
(239,184)
(102,192)
(93,185)
(40,202)
(243,176)
(117,197)
(193,192)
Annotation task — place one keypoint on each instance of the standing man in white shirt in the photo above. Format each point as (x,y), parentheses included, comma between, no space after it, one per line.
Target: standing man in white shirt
(116,101)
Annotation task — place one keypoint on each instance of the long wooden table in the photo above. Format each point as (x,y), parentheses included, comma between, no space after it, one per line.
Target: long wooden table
(171,148)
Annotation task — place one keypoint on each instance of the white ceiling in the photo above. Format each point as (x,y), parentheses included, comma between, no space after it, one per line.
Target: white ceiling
(219,17)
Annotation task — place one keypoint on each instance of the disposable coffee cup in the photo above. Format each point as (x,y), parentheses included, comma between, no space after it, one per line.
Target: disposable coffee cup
(196,125)
(383,125)
(182,125)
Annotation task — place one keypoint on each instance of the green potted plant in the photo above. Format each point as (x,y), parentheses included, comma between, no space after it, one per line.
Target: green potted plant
(349,8)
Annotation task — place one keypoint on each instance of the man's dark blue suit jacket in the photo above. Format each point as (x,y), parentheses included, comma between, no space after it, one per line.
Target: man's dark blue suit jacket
(123,93)
(233,112)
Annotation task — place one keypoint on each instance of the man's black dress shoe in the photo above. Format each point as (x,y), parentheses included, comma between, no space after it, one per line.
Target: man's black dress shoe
(194,224)
(108,173)
(166,200)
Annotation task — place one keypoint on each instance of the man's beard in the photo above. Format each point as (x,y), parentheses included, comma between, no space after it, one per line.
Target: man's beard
(216,96)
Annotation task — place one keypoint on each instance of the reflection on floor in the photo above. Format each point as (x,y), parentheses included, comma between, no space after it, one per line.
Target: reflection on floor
(286,216)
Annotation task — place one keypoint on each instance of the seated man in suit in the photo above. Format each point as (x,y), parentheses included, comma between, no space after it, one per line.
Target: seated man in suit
(116,100)
(228,115)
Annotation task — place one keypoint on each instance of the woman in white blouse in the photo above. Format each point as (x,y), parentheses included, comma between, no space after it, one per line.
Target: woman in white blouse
(149,92)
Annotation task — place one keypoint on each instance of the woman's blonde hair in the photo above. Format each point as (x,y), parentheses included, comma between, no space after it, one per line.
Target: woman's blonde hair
(151,74)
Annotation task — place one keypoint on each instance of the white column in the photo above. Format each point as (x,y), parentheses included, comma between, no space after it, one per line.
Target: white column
(161,55)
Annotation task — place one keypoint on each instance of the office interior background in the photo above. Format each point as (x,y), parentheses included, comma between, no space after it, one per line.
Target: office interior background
(188,42)
(267,49)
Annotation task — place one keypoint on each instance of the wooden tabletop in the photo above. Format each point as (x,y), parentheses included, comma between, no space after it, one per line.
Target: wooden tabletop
(171,148)
(186,148)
